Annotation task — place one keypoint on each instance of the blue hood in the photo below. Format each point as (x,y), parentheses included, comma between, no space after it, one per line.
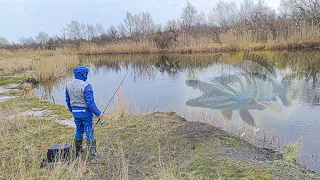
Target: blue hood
(81,73)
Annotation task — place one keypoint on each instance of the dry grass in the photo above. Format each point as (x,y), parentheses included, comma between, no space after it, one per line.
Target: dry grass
(187,44)
(23,142)
(27,90)
(47,68)
(126,47)
(12,62)
(44,65)
(301,35)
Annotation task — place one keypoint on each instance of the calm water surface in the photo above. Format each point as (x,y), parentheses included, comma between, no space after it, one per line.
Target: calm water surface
(270,99)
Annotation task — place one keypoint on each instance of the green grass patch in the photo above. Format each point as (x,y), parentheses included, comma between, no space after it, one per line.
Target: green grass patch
(292,152)
(11,79)
(231,141)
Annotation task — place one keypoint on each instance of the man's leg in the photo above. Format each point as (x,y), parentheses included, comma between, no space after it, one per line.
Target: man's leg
(78,138)
(88,128)
(91,141)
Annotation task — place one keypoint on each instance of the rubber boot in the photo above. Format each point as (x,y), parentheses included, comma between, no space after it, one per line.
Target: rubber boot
(78,144)
(92,150)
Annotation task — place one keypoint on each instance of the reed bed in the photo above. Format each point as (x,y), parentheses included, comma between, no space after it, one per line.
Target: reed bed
(47,68)
(14,62)
(38,65)
(122,47)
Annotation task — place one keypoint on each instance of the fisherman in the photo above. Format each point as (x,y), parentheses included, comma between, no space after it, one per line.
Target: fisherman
(80,101)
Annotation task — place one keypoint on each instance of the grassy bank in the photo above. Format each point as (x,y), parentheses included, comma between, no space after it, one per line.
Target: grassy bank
(135,146)
(191,44)
(154,146)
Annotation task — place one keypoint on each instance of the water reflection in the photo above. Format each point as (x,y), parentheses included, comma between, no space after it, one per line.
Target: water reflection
(304,72)
(251,86)
(170,66)
(147,66)
(253,90)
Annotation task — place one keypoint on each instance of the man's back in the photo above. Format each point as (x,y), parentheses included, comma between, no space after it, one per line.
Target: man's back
(79,95)
(76,93)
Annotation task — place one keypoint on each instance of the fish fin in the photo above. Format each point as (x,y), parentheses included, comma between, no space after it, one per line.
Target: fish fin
(269,105)
(272,106)
(247,117)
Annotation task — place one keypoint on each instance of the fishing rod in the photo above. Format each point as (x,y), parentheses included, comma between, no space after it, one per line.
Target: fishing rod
(111,99)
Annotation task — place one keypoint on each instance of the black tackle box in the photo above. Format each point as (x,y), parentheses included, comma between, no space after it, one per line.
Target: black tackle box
(59,152)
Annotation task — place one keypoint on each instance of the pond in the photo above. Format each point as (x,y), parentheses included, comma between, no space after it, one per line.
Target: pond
(267,98)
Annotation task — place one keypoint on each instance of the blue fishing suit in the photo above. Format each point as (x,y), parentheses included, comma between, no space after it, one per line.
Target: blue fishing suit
(80,101)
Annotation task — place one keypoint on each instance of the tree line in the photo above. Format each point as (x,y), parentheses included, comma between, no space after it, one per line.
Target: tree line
(254,16)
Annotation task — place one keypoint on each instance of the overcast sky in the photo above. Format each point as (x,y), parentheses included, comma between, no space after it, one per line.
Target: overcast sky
(28,17)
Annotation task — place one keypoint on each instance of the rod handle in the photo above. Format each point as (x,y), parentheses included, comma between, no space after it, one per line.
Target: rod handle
(98,121)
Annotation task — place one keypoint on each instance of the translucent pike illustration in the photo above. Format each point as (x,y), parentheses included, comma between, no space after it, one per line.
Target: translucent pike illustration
(243,91)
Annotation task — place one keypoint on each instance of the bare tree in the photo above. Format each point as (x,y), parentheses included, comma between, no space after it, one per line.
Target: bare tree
(224,14)
(122,30)
(251,11)
(28,42)
(270,20)
(201,19)
(64,33)
(42,38)
(3,42)
(247,10)
(129,23)
(100,29)
(76,30)
(158,27)
(306,8)
(147,23)
(137,26)
(91,32)
(286,9)
(262,11)
(171,25)
(112,32)
(188,16)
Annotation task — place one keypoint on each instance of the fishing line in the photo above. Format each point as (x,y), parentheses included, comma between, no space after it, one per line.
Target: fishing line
(112,97)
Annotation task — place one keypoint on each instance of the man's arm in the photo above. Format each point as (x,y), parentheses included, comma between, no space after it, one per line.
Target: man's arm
(68,100)
(89,98)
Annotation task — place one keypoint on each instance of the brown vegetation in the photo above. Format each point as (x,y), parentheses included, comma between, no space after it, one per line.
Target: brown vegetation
(38,65)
